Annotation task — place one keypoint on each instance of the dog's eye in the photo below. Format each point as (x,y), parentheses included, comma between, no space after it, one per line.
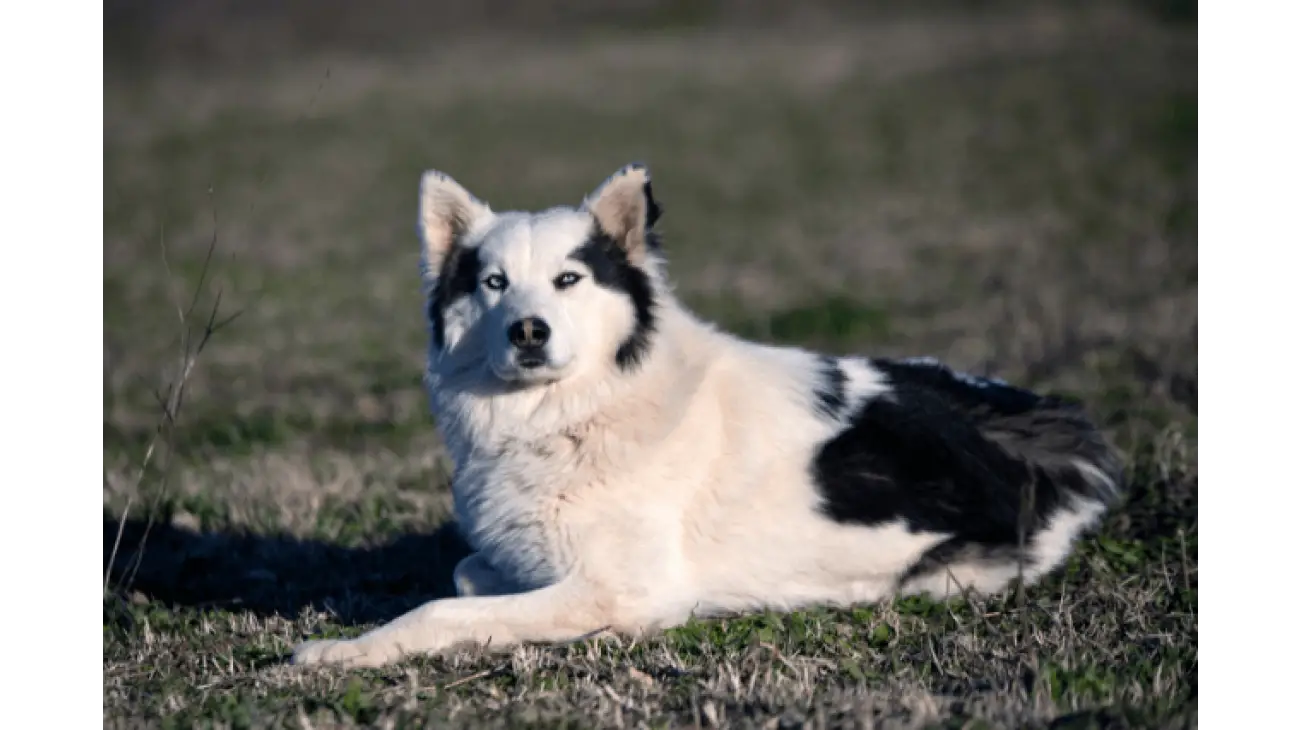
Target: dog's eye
(567,279)
(496,282)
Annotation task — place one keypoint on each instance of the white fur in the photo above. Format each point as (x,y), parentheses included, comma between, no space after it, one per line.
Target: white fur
(602,499)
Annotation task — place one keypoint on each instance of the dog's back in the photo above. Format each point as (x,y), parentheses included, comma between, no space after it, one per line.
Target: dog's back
(1005,474)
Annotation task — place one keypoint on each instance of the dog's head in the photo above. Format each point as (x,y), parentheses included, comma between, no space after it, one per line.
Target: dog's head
(530,298)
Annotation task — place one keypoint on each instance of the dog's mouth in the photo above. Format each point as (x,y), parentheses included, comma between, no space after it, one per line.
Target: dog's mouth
(528,368)
(530,360)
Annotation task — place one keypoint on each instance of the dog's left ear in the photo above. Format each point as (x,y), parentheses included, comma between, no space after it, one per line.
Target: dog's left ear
(625,209)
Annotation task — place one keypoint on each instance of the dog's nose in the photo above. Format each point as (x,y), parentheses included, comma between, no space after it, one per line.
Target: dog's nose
(529,332)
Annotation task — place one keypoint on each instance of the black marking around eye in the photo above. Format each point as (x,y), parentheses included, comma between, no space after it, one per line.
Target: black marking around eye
(457,278)
(610,268)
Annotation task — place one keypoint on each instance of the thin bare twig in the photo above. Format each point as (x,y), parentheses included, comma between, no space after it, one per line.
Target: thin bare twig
(172,398)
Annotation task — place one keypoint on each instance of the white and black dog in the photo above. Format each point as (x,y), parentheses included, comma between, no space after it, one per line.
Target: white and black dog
(620,465)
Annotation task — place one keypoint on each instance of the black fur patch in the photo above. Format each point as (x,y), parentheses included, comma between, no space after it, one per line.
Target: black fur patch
(611,269)
(652,213)
(831,394)
(458,277)
(981,461)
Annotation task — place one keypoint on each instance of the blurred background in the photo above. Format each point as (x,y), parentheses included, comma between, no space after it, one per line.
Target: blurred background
(1009,186)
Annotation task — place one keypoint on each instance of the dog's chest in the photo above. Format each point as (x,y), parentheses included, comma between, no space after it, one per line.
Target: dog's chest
(516,511)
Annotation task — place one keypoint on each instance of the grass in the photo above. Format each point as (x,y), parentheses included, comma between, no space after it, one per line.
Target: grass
(1015,195)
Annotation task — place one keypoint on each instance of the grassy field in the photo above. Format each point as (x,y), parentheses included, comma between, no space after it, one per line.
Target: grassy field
(1015,194)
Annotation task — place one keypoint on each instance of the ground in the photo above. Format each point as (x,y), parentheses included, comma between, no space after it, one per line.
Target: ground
(1014,193)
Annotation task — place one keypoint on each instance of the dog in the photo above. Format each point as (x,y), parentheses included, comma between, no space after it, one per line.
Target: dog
(621,465)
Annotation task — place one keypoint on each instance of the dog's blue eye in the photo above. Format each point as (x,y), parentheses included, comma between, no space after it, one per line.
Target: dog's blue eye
(495,282)
(567,279)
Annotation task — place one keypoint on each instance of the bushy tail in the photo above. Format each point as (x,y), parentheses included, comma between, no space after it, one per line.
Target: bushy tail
(1058,437)
(1047,433)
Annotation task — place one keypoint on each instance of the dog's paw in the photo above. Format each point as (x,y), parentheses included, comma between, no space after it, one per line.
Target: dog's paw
(343,652)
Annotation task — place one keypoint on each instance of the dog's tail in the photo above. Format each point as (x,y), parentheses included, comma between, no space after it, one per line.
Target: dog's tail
(1057,437)
(1051,435)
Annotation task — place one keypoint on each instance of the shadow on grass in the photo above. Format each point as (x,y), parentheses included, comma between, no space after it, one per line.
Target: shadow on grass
(280,575)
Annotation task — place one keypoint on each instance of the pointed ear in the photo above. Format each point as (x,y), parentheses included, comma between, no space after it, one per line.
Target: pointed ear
(625,209)
(447,211)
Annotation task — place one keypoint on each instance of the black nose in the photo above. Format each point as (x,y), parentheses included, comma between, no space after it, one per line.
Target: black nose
(529,332)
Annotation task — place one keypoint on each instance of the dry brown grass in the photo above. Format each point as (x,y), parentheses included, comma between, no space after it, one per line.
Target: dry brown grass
(1015,195)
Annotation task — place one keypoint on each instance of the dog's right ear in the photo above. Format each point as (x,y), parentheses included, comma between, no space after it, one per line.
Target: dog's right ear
(447,211)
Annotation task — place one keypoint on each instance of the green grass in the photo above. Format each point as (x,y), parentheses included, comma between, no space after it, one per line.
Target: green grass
(1014,196)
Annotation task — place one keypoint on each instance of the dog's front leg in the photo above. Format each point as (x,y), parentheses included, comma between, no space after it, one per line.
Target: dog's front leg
(474,576)
(566,611)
